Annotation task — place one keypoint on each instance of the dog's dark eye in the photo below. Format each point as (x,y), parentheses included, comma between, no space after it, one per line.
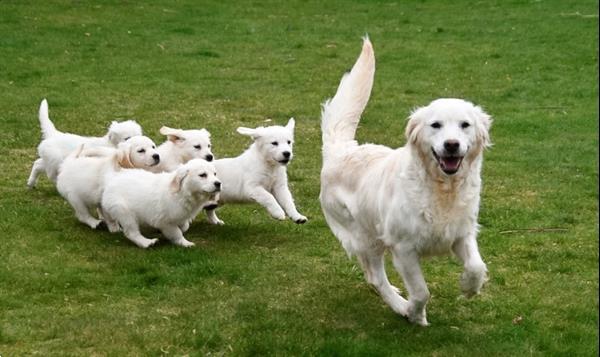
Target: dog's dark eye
(274,143)
(127,138)
(209,146)
(141,151)
(289,142)
(436,125)
(153,146)
(203,175)
(464,125)
(198,147)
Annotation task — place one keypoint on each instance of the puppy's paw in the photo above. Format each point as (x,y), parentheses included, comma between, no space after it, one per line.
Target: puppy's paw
(279,215)
(185,243)
(300,219)
(148,243)
(216,221)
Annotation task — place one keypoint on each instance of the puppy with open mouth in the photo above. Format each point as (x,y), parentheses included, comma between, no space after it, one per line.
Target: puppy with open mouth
(415,201)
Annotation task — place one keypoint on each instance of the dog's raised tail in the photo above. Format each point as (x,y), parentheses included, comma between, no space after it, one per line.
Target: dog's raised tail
(48,128)
(341,114)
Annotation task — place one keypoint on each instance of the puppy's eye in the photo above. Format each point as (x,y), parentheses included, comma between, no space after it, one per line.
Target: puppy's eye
(464,125)
(153,146)
(436,125)
(203,175)
(274,143)
(209,146)
(289,142)
(198,147)
(141,151)
(127,138)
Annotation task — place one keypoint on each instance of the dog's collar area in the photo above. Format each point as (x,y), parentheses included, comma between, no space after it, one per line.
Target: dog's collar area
(449,164)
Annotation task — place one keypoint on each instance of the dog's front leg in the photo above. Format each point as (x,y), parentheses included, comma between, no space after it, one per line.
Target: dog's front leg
(406,261)
(475,273)
(173,233)
(264,198)
(284,197)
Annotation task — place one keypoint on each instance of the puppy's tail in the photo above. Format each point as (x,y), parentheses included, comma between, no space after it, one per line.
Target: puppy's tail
(48,128)
(341,114)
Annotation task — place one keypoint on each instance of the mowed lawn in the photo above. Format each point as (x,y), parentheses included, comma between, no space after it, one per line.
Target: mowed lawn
(260,287)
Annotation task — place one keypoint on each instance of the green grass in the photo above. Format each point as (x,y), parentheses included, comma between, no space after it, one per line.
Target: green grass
(260,287)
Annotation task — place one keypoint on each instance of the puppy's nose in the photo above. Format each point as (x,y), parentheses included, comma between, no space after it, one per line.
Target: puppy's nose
(451,146)
(209,157)
(286,154)
(156,157)
(218,185)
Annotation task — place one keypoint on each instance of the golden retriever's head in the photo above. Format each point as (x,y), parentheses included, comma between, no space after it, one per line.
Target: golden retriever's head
(448,131)
(137,152)
(119,132)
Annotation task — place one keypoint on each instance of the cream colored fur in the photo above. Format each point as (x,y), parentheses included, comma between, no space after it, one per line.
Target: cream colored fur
(415,201)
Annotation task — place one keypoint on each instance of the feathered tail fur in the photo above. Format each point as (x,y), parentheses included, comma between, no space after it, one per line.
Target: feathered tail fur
(341,114)
(48,128)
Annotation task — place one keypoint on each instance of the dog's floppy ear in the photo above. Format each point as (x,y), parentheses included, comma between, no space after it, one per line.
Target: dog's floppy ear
(290,125)
(483,122)
(415,124)
(123,156)
(177,181)
(112,136)
(253,133)
(173,135)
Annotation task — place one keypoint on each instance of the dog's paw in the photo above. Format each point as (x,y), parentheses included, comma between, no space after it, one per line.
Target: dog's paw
(279,215)
(185,243)
(300,219)
(216,221)
(148,243)
(471,281)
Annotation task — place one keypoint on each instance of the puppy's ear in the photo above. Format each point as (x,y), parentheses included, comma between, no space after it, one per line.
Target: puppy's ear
(290,125)
(112,136)
(206,132)
(253,133)
(483,122)
(173,135)
(124,156)
(177,181)
(415,124)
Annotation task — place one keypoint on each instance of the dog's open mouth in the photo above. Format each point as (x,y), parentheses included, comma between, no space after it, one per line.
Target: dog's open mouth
(449,164)
(284,161)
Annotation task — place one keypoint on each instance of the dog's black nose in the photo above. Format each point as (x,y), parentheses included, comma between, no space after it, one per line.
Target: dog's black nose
(451,146)
(156,157)
(209,157)
(218,185)
(286,154)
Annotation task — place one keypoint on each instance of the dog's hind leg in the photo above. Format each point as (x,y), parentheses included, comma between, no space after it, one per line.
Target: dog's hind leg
(475,273)
(131,228)
(407,263)
(174,234)
(36,170)
(82,212)
(372,262)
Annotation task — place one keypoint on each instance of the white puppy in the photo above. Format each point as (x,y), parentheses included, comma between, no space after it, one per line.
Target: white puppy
(56,145)
(165,201)
(259,174)
(418,200)
(82,174)
(182,146)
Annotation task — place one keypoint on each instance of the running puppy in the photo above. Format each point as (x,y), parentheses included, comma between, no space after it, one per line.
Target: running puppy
(82,174)
(56,145)
(418,200)
(259,174)
(166,201)
(182,146)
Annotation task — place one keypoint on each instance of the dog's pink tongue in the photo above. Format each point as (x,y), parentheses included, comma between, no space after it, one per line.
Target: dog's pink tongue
(450,163)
